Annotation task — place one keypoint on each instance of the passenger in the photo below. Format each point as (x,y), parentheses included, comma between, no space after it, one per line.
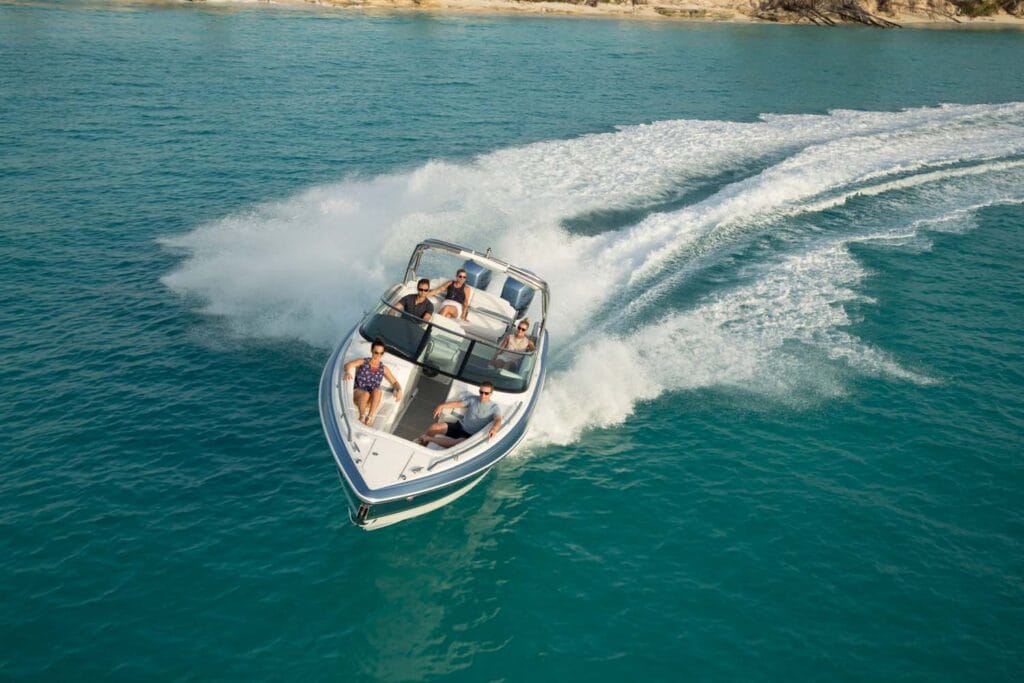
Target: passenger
(418,304)
(369,373)
(514,342)
(456,296)
(479,413)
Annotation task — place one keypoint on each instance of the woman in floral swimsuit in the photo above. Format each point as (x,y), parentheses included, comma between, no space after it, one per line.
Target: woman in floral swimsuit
(456,296)
(368,375)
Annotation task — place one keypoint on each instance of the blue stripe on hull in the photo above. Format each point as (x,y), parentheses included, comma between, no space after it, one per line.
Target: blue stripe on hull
(440,484)
(413,506)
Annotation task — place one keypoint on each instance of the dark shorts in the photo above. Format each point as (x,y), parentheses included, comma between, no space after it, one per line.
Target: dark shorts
(457,431)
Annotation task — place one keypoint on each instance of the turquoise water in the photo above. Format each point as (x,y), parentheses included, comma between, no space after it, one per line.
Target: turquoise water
(783,435)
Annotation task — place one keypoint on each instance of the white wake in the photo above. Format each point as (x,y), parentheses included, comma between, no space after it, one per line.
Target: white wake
(306,267)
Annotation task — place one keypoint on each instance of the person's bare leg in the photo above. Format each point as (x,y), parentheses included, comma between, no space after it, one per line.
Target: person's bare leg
(374,405)
(437,428)
(362,401)
(446,441)
(432,431)
(449,312)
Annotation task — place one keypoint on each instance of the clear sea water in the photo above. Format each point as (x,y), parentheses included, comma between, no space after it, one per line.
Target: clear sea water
(782,439)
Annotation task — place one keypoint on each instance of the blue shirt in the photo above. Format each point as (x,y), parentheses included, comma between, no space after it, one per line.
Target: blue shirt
(478,415)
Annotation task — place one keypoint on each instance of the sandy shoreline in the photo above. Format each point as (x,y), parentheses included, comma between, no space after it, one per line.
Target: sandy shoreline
(733,11)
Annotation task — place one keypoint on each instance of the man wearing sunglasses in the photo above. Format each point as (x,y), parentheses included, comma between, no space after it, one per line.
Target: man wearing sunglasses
(480,411)
(418,304)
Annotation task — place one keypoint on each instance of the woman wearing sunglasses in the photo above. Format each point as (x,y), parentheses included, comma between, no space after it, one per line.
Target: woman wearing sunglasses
(517,341)
(456,296)
(368,375)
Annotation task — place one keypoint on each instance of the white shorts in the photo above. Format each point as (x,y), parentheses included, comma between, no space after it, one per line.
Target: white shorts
(455,304)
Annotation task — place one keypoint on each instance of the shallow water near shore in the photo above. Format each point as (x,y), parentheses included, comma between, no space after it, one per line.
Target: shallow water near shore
(782,434)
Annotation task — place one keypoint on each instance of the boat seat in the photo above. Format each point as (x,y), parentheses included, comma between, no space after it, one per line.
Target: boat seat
(477,276)
(442,353)
(387,411)
(485,327)
(488,328)
(518,295)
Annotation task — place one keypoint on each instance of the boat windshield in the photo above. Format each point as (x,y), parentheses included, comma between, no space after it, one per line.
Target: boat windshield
(448,352)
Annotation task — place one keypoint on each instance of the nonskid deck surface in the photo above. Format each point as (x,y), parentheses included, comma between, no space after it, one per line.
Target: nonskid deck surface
(429,393)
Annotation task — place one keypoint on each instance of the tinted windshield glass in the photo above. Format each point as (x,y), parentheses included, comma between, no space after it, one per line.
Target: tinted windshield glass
(448,352)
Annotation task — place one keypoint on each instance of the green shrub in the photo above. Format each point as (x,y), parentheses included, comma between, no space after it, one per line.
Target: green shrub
(977,8)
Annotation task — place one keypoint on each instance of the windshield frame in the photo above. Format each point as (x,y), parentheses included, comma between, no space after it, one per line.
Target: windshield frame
(521,274)
(424,333)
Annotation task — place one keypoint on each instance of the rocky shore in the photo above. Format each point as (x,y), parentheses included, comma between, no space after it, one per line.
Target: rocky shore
(882,13)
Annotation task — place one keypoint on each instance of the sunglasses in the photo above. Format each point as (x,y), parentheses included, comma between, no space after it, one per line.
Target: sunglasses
(423,290)
(484,393)
(460,277)
(522,329)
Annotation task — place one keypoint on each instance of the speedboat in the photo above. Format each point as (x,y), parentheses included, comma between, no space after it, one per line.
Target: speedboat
(386,474)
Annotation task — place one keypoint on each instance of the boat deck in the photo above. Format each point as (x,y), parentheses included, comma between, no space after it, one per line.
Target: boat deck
(388,475)
(385,452)
(424,399)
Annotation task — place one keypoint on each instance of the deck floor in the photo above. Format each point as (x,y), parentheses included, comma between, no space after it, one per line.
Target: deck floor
(430,393)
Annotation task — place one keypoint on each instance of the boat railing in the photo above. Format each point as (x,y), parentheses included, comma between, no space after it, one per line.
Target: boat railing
(347,404)
(447,351)
(486,260)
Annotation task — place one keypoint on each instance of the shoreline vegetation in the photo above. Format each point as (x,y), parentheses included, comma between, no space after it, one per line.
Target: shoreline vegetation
(879,13)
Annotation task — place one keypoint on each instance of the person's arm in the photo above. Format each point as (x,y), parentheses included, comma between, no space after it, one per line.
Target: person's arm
(352,365)
(394,383)
(429,312)
(530,345)
(443,287)
(496,427)
(445,406)
(465,304)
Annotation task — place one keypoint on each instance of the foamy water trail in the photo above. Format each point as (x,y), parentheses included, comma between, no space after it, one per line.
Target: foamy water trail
(306,267)
(939,196)
(737,339)
(815,170)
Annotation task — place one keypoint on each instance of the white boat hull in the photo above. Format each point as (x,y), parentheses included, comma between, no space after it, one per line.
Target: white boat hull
(387,475)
